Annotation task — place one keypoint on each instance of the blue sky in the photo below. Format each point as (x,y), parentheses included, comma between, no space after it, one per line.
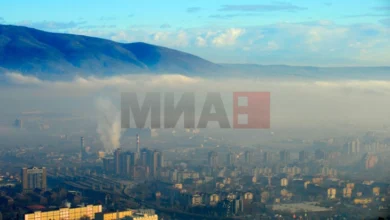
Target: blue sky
(301,32)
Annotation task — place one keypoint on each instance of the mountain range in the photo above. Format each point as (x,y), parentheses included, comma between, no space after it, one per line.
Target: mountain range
(46,55)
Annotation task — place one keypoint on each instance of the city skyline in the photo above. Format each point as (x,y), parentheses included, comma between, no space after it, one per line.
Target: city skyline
(173,110)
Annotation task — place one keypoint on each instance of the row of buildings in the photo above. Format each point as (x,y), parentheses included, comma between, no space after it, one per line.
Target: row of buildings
(91,212)
(267,157)
(132,164)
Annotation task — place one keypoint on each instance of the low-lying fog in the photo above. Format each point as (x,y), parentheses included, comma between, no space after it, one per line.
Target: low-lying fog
(299,108)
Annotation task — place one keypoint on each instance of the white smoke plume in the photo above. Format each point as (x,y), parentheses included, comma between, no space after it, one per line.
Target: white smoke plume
(109,127)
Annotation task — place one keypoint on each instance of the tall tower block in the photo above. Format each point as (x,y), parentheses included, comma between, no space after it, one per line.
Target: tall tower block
(138,151)
(82,149)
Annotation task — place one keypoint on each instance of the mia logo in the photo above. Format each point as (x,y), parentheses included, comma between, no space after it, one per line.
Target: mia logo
(251,110)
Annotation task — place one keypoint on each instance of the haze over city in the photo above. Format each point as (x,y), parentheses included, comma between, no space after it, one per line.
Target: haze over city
(65,65)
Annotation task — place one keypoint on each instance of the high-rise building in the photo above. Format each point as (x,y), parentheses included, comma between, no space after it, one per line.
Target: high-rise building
(138,151)
(284,182)
(376,191)
(160,162)
(353,147)
(152,160)
(153,165)
(347,192)
(117,161)
(248,157)
(144,157)
(33,178)
(369,161)
(284,156)
(156,162)
(108,164)
(357,146)
(127,163)
(303,156)
(213,159)
(320,154)
(267,157)
(231,159)
(83,153)
(332,193)
(18,123)
(138,142)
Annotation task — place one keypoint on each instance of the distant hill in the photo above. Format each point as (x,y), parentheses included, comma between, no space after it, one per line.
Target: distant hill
(29,50)
(48,55)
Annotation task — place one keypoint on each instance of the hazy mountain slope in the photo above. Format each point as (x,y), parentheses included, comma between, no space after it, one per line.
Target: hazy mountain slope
(29,50)
(53,55)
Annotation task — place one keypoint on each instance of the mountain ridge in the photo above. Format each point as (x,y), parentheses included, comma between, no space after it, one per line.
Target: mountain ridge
(49,55)
(29,50)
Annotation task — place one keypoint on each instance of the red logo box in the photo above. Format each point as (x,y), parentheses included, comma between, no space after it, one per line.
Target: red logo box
(257,110)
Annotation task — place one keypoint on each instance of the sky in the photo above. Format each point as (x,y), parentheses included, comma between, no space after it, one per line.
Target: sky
(301,32)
